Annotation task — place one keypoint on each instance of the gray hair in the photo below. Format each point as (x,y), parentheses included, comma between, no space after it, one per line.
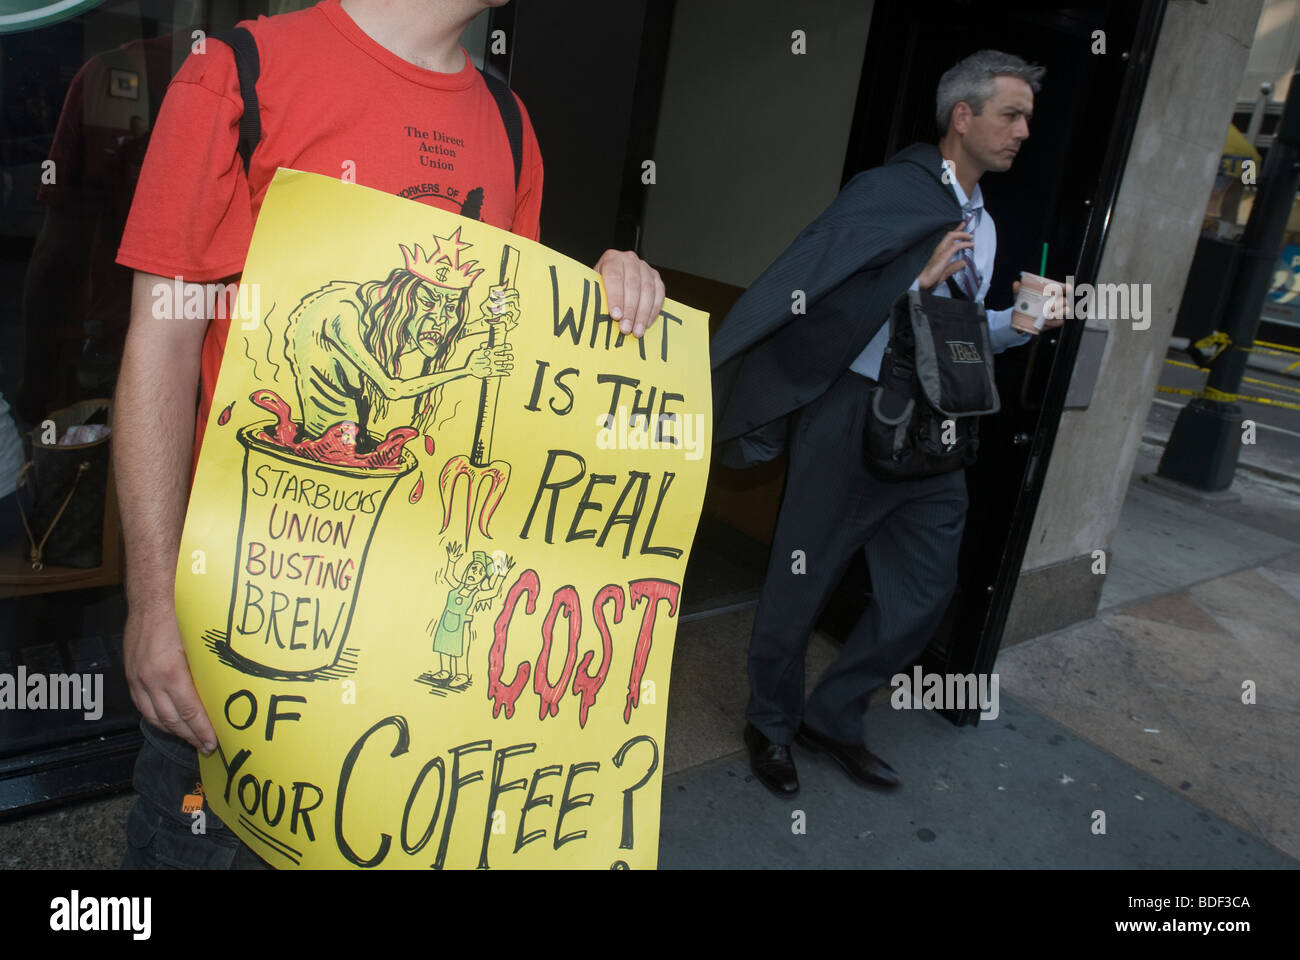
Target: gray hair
(972,80)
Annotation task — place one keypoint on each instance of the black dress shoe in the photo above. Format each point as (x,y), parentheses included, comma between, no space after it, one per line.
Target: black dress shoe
(771,763)
(858,762)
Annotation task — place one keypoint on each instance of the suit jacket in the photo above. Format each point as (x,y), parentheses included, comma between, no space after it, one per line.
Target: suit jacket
(851,263)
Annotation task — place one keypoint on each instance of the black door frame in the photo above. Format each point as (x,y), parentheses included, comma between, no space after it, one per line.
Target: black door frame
(882,124)
(582,33)
(1141,51)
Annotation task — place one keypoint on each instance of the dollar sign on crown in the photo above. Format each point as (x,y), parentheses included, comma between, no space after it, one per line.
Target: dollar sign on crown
(443,268)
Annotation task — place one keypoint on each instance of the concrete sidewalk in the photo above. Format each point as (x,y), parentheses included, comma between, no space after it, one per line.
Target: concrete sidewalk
(1136,714)
(1020,792)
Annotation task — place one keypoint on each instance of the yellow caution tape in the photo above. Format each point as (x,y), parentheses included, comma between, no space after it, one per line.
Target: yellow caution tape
(1262,383)
(1276,346)
(1270,384)
(1209,393)
(1220,339)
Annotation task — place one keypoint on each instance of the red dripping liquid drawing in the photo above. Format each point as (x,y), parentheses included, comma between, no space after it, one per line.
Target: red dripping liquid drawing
(418,490)
(224,418)
(337,445)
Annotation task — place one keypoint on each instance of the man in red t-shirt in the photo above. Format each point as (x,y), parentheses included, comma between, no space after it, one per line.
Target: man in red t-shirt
(379,89)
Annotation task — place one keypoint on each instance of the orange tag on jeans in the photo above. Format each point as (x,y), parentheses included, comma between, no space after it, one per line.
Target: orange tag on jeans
(193,801)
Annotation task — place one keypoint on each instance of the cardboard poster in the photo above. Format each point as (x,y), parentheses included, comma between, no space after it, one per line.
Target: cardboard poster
(431,571)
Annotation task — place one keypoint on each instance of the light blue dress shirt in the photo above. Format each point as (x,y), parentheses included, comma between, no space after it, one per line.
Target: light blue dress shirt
(1001,333)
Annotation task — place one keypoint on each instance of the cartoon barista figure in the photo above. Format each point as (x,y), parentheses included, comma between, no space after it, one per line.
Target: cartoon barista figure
(451,629)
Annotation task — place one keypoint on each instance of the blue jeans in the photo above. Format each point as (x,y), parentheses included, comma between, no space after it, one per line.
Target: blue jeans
(159,836)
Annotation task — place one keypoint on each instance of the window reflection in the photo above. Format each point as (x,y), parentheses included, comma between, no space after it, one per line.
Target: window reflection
(78,100)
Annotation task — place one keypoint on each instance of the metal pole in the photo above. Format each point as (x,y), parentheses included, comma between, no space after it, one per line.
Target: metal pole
(1257,114)
(1206,439)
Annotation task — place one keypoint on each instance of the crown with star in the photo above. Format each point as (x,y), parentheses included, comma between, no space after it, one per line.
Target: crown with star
(443,267)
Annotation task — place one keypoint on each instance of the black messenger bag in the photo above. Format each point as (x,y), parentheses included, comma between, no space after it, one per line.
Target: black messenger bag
(936,380)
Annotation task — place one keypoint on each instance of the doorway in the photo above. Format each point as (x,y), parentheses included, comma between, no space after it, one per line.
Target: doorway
(1059,195)
(711,87)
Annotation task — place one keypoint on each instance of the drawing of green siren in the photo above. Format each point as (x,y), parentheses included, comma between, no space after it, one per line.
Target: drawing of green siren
(304,532)
(17,16)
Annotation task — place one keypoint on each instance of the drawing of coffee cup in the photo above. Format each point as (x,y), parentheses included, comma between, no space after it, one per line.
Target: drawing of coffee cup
(304,531)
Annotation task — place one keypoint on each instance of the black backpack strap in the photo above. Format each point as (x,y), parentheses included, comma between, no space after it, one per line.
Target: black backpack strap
(249,67)
(510,116)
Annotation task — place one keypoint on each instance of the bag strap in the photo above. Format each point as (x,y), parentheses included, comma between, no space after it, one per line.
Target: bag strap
(955,289)
(510,116)
(248,66)
(899,349)
(38,549)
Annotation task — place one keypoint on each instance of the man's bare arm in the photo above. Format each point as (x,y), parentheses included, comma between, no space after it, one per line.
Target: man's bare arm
(153,443)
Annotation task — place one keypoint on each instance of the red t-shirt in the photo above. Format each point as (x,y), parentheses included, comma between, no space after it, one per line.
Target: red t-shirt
(329,96)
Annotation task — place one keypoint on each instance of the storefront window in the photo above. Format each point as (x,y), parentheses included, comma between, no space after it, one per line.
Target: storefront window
(81,89)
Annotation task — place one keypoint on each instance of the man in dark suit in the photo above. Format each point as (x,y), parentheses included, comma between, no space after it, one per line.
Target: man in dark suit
(805,380)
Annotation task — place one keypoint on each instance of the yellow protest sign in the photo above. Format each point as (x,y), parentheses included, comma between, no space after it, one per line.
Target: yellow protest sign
(431,571)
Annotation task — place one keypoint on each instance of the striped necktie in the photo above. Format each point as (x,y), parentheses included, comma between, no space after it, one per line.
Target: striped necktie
(968,276)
